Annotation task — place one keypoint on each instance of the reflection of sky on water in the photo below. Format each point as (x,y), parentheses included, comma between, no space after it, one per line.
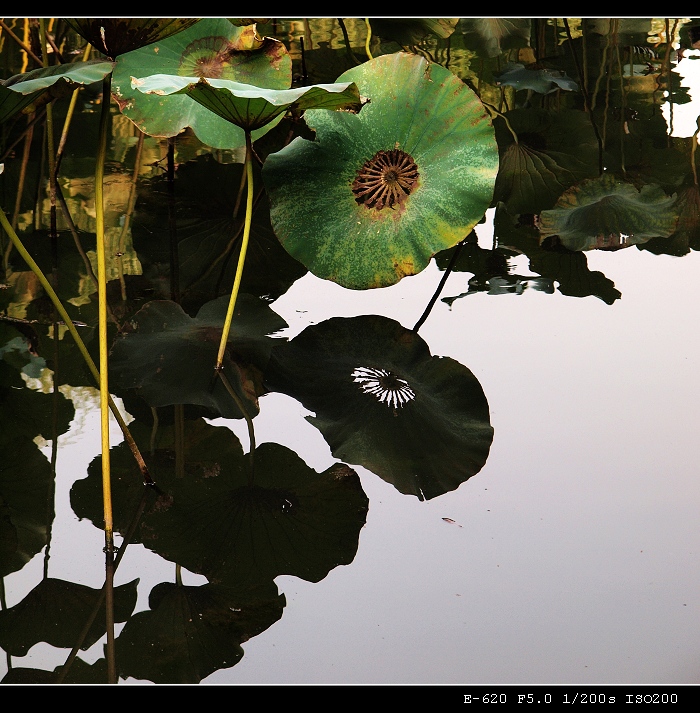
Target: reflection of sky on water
(576,555)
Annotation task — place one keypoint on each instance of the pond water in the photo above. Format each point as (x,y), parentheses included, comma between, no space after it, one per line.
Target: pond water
(560,547)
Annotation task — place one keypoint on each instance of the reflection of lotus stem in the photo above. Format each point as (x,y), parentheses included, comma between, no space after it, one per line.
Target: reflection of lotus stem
(101,596)
(244,248)
(78,340)
(246,416)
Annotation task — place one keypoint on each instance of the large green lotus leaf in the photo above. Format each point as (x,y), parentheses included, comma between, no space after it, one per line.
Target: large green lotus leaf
(290,520)
(169,358)
(248,106)
(56,611)
(190,632)
(116,35)
(213,48)
(420,422)
(542,81)
(420,118)
(569,269)
(72,74)
(606,212)
(209,235)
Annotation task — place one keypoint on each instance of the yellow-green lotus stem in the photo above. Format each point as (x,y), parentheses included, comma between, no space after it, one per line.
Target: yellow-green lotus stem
(369,38)
(244,248)
(102,309)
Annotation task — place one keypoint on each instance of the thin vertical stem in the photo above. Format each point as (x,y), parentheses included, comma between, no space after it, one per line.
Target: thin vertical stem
(369,38)
(172,225)
(241,257)
(104,384)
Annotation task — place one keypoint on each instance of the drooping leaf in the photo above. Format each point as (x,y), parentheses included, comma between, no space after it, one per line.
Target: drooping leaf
(606,212)
(72,74)
(56,611)
(169,357)
(248,106)
(379,192)
(116,35)
(542,81)
(530,180)
(215,49)
(190,632)
(420,422)
(687,234)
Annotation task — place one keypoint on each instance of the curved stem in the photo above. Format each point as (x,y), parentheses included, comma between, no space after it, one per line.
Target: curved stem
(241,257)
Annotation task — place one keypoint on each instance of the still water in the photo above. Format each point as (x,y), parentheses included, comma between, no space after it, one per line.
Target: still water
(570,557)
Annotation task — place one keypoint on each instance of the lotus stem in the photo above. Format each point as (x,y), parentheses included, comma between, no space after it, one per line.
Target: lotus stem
(369,38)
(241,257)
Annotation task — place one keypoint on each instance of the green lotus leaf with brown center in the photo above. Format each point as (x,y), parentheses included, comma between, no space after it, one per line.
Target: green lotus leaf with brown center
(215,49)
(379,192)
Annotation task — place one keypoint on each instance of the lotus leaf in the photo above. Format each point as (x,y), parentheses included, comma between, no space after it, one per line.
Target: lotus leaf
(215,49)
(379,192)
(190,632)
(169,356)
(420,422)
(290,520)
(55,611)
(77,73)
(606,212)
(248,106)
(116,35)
(542,81)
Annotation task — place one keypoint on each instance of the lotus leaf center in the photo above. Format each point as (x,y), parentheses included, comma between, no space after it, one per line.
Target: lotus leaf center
(206,57)
(387,179)
(388,388)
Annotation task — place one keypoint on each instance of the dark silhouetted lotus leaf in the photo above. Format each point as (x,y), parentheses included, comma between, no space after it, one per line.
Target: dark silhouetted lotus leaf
(420,422)
(24,519)
(379,192)
(116,35)
(214,49)
(190,632)
(606,212)
(209,235)
(80,672)
(290,520)
(169,357)
(248,106)
(55,611)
